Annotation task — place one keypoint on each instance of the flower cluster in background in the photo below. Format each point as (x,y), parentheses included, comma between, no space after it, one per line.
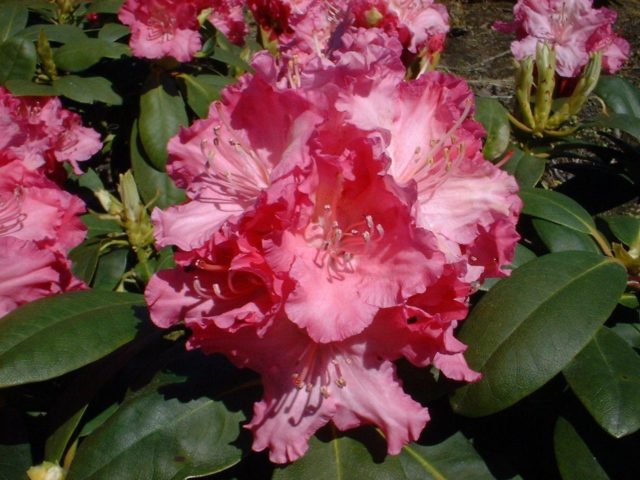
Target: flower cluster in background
(573,28)
(39,221)
(339,217)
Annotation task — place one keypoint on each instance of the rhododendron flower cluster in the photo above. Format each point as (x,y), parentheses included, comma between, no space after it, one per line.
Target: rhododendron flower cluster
(338,218)
(572,27)
(169,28)
(312,27)
(39,221)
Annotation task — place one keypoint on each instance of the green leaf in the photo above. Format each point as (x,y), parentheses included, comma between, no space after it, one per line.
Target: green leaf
(30,89)
(13,18)
(54,33)
(15,451)
(605,376)
(96,226)
(79,55)
(52,336)
(84,259)
(362,454)
(527,169)
(620,95)
(337,456)
(529,326)
(110,269)
(627,123)
(105,6)
(87,89)
(202,90)
(493,117)
(625,228)
(58,441)
(162,112)
(113,31)
(18,59)
(154,186)
(557,208)
(559,238)
(180,434)
(629,332)
(575,461)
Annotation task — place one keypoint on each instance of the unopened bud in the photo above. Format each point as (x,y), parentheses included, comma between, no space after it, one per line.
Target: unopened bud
(47,471)
(546,65)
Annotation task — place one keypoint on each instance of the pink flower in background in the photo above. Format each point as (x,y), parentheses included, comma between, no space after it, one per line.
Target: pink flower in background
(573,27)
(170,28)
(228,17)
(39,273)
(38,225)
(42,134)
(163,28)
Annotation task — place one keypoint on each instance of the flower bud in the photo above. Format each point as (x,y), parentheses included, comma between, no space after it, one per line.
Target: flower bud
(546,65)
(47,471)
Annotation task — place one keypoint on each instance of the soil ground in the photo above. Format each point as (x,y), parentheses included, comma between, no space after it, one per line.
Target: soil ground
(481,55)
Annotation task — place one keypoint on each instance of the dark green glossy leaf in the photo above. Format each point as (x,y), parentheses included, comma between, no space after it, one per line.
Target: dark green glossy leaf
(113,31)
(529,326)
(625,228)
(575,460)
(493,117)
(527,169)
(605,376)
(556,208)
(15,451)
(180,434)
(87,89)
(84,259)
(619,94)
(105,6)
(202,90)
(629,332)
(54,33)
(52,336)
(79,55)
(111,267)
(162,112)
(13,18)
(365,456)
(154,186)
(343,457)
(559,238)
(58,441)
(18,59)
(30,89)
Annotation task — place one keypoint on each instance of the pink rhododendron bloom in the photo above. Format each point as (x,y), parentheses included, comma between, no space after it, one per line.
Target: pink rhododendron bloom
(163,28)
(38,273)
(325,237)
(308,28)
(228,17)
(42,134)
(433,142)
(38,225)
(227,159)
(573,27)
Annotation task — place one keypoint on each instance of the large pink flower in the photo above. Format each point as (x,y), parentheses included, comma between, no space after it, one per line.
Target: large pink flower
(572,27)
(41,133)
(336,223)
